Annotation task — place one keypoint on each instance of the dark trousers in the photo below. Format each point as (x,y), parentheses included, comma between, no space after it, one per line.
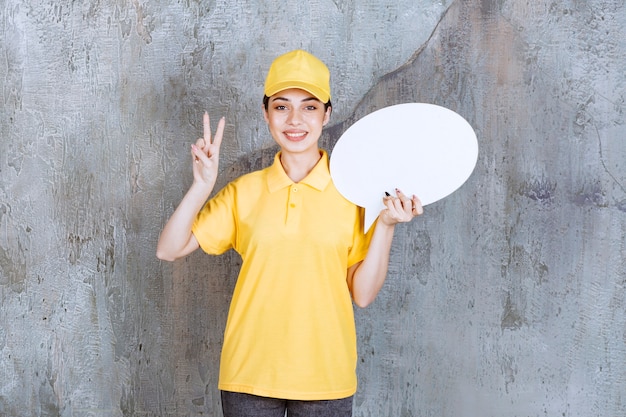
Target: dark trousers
(236,404)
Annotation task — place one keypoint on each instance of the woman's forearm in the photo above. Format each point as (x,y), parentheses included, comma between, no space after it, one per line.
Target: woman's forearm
(369,276)
(176,239)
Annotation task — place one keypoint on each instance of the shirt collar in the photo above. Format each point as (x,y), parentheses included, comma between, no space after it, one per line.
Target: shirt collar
(318,178)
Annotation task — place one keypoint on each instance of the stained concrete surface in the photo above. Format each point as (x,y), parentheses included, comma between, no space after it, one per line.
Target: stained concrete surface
(505,299)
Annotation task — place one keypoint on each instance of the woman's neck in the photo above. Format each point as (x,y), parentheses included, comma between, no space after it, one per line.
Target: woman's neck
(297,166)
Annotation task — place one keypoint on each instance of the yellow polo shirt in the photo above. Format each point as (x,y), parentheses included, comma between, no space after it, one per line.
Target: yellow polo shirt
(290,331)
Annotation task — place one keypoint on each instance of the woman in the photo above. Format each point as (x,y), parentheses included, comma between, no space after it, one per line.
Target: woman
(290,342)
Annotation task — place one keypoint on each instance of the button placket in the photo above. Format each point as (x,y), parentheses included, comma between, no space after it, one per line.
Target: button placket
(293,206)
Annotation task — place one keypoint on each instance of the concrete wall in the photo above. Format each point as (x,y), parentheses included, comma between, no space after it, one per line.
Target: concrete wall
(505,299)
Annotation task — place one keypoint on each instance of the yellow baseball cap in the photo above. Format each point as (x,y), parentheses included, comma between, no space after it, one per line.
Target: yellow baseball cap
(299,69)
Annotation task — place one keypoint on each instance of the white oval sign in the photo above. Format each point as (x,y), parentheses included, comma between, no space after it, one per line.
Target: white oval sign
(419,148)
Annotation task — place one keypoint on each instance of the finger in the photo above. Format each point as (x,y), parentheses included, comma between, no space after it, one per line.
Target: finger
(198,154)
(388,201)
(219,133)
(206,123)
(200,146)
(391,202)
(417,206)
(200,143)
(406,202)
(401,195)
(395,209)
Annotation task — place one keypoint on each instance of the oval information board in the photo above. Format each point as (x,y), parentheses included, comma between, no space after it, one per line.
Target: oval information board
(419,148)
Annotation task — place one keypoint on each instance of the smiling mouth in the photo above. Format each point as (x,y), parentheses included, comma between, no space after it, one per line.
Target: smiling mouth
(295,136)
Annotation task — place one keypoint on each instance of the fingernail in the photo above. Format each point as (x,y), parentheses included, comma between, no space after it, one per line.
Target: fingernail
(387,194)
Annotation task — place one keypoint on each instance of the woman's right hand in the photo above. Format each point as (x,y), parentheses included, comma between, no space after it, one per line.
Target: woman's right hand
(177,239)
(206,153)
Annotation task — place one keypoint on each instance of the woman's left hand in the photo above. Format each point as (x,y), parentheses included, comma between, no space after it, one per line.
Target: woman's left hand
(400,209)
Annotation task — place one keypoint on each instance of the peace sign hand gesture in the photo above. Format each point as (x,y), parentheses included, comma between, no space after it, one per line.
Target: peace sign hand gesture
(205,153)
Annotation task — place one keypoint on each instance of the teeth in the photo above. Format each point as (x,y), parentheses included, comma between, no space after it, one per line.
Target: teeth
(295,135)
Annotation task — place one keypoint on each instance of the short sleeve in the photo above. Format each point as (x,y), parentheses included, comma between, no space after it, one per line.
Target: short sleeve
(215,225)
(361,240)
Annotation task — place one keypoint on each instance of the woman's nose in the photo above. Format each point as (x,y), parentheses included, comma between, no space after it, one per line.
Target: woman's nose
(294,117)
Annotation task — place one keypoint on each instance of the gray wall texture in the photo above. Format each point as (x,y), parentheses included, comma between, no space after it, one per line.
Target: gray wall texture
(505,299)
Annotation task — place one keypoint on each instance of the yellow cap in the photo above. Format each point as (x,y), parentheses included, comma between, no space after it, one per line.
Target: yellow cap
(299,69)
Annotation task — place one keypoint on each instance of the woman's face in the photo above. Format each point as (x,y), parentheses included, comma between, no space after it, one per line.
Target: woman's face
(295,119)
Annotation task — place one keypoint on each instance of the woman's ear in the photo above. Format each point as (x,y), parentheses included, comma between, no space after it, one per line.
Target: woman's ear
(265,115)
(329,110)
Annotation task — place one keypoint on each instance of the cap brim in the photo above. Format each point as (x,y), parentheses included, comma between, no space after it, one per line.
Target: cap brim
(320,94)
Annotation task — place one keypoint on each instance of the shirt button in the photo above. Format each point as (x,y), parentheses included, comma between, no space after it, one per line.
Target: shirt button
(295,190)
(292,205)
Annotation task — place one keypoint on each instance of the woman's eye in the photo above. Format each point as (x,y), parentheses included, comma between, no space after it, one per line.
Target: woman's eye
(311,107)
(280,107)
